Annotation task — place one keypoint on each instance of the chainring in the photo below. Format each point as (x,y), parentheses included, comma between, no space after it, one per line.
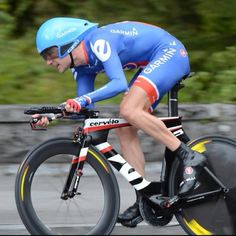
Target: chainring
(151,216)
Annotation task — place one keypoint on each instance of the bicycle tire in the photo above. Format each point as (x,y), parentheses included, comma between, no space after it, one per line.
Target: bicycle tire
(42,217)
(218,216)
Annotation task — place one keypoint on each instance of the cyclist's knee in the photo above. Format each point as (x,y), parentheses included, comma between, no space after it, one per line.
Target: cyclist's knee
(129,113)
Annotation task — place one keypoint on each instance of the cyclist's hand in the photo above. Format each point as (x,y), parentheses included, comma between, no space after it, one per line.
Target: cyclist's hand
(42,120)
(75,105)
(72,105)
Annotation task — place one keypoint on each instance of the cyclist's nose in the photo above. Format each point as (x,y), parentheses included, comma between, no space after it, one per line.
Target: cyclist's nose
(49,61)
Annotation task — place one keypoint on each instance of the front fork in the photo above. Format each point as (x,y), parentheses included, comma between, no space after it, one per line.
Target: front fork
(71,185)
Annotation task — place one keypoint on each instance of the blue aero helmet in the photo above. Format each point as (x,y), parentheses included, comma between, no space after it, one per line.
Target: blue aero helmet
(65,33)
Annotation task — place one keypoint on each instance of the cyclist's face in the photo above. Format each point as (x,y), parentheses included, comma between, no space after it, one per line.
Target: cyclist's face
(50,55)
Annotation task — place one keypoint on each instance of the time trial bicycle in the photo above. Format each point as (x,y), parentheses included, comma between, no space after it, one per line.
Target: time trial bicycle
(56,194)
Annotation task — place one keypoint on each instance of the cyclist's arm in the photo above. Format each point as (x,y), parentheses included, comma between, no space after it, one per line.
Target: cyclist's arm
(106,49)
(84,82)
(117,83)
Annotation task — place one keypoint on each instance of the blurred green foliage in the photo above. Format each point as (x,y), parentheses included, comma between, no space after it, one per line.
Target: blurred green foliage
(207,28)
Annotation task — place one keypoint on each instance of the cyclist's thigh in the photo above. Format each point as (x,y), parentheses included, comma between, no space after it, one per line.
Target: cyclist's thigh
(167,67)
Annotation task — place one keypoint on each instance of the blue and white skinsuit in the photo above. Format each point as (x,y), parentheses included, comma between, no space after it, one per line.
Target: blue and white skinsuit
(162,59)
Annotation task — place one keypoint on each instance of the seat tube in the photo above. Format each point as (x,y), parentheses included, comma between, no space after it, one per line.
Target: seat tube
(172,111)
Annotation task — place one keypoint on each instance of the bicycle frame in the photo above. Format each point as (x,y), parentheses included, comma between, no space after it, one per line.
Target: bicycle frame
(99,140)
(95,132)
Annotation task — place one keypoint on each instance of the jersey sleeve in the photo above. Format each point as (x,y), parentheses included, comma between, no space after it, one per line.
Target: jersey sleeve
(84,83)
(107,52)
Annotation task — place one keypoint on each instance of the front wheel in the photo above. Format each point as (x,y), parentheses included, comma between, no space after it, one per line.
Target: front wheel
(39,185)
(217,216)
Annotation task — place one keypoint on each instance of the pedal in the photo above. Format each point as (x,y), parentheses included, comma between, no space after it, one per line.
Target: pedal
(164,202)
(172,201)
(132,223)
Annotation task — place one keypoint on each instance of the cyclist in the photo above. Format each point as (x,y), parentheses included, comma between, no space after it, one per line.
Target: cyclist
(161,61)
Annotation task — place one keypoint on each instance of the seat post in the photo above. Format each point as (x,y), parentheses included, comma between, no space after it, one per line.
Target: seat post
(173,96)
(173,100)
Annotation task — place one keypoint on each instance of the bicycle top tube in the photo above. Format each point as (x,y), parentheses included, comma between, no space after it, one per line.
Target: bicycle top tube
(97,124)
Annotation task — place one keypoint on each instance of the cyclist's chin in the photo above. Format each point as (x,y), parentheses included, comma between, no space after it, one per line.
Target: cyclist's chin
(61,69)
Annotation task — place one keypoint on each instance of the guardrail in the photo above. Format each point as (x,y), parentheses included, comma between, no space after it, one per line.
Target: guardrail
(17,138)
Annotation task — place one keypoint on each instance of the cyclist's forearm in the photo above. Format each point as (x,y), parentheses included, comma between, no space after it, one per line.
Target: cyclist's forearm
(114,87)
